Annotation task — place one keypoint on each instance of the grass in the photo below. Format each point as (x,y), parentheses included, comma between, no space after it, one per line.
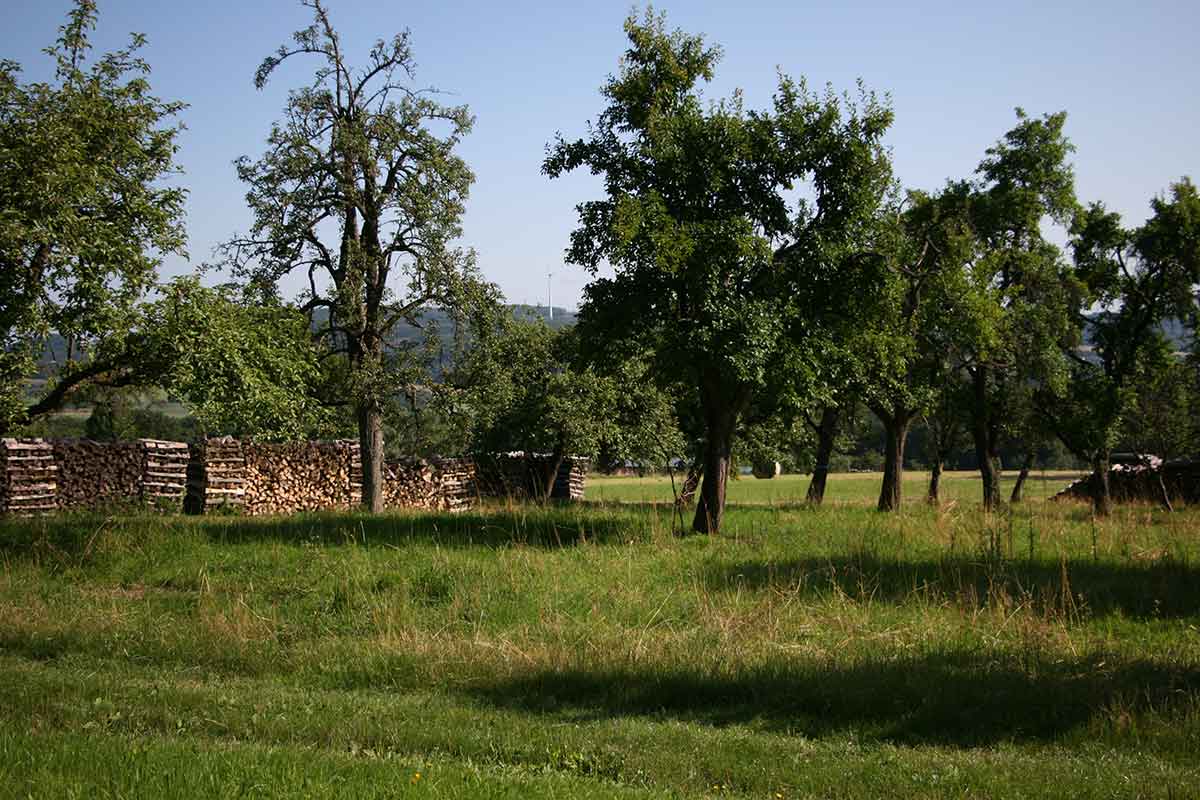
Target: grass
(588,651)
(842,489)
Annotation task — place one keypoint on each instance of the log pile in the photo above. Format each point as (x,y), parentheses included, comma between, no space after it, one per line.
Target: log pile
(520,475)
(164,473)
(1144,481)
(98,474)
(216,475)
(29,477)
(457,485)
(308,476)
(441,485)
(571,478)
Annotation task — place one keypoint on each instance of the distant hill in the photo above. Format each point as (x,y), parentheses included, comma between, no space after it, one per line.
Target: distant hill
(56,347)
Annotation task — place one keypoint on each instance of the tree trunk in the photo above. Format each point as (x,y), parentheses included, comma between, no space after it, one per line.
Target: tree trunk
(687,492)
(934,496)
(553,465)
(370,438)
(896,430)
(826,436)
(1022,476)
(983,438)
(720,418)
(1101,492)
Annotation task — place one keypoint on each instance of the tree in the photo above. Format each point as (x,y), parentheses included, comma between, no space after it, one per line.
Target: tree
(246,369)
(1021,289)
(87,215)
(712,263)
(357,152)
(924,315)
(522,387)
(1138,278)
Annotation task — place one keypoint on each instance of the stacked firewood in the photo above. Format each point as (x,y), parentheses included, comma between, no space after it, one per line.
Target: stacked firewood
(164,473)
(409,484)
(216,475)
(95,474)
(1148,479)
(308,476)
(520,475)
(28,477)
(571,478)
(444,485)
(457,485)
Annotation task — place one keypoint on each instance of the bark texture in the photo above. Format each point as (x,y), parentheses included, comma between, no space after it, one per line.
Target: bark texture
(827,431)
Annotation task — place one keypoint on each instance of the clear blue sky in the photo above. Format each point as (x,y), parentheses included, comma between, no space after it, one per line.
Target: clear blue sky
(1127,74)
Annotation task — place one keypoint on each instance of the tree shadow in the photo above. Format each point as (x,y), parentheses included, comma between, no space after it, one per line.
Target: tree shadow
(1162,588)
(548,527)
(941,699)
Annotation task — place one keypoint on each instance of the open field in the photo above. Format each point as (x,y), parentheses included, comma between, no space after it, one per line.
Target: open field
(588,651)
(843,488)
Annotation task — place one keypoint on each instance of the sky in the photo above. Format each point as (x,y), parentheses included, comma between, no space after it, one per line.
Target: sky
(1126,73)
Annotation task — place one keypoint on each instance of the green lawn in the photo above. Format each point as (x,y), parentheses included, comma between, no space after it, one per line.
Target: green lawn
(589,651)
(843,488)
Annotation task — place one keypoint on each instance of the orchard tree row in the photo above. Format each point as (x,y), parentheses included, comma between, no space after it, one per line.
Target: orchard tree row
(767,275)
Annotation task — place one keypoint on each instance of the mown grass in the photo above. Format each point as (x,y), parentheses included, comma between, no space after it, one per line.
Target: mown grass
(843,488)
(589,651)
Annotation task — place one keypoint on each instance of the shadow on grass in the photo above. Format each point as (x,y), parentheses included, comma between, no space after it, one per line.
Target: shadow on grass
(1164,588)
(543,527)
(949,699)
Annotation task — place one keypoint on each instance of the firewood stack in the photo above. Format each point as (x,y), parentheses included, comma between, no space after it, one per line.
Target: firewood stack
(446,484)
(216,475)
(519,475)
(457,487)
(570,480)
(29,481)
(308,476)
(97,474)
(408,483)
(1144,482)
(164,473)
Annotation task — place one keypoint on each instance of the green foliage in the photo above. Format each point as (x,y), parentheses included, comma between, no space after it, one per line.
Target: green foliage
(521,387)
(244,369)
(359,151)
(715,272)
(1139,278)
(87,212)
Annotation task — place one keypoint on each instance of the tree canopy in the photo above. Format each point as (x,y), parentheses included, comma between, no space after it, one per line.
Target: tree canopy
(710,254)
(360,191)
(88,212)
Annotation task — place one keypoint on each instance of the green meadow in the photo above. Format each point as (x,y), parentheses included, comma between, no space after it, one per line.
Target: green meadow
(855,488)
(589,651)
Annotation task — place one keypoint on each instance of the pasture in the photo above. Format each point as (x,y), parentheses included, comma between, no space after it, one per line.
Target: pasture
(854,488)
(587,650)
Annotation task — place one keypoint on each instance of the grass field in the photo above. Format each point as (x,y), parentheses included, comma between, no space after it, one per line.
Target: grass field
(843,488)
(588,651)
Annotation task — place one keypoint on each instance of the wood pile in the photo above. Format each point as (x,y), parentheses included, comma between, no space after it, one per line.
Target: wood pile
(307,476)
(1140,482)
(29,481)
(216,475)
(441,485)
(458,488)
(571,478)
(97,474)
(519,475)
(164,473)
